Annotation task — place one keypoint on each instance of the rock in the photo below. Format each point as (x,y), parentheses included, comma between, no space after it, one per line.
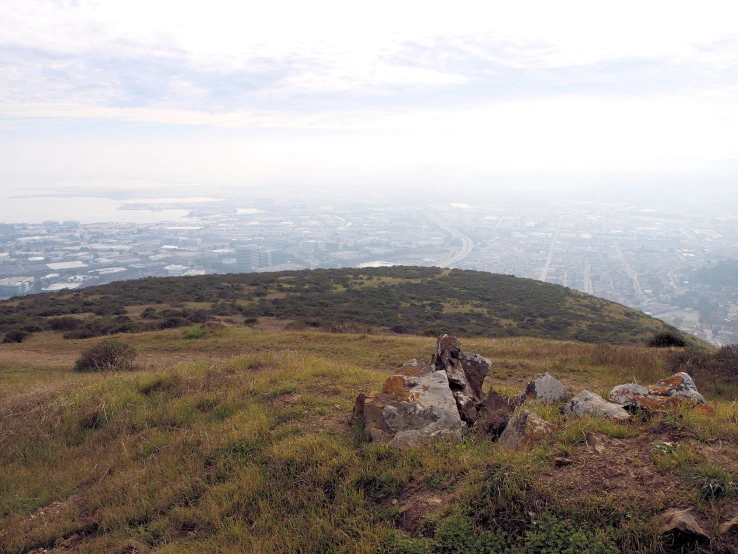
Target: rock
(525,430)
(679,385)
(589,403)
(667,393)
(545,389)
(562,462)
(682,525)
(494,414)
(596,442)
(414,407)
(476,369)
(465,372)
(627,395)
(729,527)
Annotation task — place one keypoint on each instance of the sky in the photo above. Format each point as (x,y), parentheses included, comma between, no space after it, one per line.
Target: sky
(359,93)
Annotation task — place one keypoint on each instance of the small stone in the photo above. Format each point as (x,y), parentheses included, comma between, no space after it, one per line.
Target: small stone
(395,502)
(596,442)
(729,527)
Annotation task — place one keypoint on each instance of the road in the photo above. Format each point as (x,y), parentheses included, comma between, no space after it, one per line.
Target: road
(551,250)
(466,243)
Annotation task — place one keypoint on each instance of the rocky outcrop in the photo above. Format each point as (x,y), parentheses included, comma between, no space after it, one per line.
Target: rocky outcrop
(544,389)
(425,401)
(677,390)
(524,430)
(466,373)
(589,403)
(415,406)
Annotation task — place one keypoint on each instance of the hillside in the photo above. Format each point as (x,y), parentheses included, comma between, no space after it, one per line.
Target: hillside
(238,440)
(412,300)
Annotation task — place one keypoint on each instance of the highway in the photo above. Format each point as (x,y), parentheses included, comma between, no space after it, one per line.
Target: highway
(466,243)
(551,250)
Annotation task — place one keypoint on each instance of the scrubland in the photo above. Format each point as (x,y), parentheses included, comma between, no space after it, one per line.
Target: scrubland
(240,440)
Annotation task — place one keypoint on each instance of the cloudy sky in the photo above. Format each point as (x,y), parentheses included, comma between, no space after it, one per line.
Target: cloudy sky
(345,92)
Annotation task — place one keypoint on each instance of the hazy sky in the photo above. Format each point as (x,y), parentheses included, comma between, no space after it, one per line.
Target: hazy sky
(355,92)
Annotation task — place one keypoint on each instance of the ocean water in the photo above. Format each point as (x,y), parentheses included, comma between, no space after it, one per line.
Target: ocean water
(82,209)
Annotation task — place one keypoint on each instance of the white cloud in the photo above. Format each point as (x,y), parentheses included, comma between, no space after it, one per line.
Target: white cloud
(488,85)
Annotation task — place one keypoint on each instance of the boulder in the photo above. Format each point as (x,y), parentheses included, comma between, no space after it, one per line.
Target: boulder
(677,390)
(466,373)
(415,407)
(545,389)
(682,525)
(524,430)
(589,403)
(495,413)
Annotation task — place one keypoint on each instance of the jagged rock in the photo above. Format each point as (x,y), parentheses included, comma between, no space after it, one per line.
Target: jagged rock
(545,389)
(729,527)
(525,430)
(466,373)
(416,406)
(672,392)
(589,403)
(682,524)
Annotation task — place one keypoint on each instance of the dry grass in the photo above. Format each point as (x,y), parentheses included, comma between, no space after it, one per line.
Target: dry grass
(239,441)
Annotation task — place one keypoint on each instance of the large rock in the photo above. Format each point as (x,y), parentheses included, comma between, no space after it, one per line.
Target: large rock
(681,525)
(415,407)
(545,389)
(466,373)
(589,403)
(524,430)
(677,390)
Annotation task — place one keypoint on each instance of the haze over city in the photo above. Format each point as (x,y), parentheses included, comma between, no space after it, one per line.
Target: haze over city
(588,145)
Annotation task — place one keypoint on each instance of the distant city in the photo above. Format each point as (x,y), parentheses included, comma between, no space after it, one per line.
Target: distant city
(638,256)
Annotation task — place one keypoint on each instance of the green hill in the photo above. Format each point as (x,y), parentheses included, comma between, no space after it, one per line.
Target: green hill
(411,300)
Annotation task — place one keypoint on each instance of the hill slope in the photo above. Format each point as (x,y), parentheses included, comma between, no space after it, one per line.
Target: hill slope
(412,300)
(239,441)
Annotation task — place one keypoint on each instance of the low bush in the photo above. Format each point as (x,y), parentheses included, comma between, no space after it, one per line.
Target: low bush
(64,323)
(665,340)
(16,335)
(107,355)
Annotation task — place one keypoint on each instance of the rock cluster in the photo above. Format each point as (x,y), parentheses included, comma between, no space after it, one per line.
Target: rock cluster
(443,397)
(426,401)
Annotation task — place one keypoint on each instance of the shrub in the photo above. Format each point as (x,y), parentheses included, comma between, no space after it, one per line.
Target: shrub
(665,340)
(107,355)
(64,323)
(16,335)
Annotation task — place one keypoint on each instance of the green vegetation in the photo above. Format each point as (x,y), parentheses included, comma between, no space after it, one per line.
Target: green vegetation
(403,300)
(240,441)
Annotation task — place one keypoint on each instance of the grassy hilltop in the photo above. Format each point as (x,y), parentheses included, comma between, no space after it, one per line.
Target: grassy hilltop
(412,300)
(238,440)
